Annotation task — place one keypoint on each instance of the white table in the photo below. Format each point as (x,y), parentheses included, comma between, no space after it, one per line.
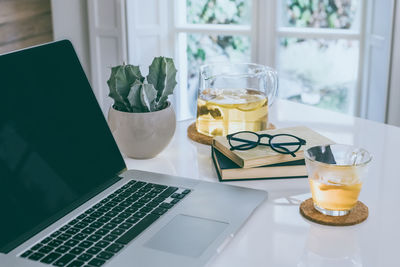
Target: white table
(276,234)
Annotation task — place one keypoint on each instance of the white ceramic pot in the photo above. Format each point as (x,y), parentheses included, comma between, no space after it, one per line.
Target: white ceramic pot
(142,135)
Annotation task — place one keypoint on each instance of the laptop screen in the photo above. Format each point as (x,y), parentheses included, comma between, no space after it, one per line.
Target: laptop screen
(55,145)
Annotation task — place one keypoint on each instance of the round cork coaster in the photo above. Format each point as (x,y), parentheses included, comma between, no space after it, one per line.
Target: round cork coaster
(205,139)
(357,215)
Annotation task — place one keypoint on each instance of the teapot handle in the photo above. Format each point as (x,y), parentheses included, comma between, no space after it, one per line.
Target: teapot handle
(272,85)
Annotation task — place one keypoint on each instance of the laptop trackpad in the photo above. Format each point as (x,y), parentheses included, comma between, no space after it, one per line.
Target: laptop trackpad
(186,235)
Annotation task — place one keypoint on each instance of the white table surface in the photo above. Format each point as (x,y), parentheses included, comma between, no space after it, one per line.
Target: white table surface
(276,234)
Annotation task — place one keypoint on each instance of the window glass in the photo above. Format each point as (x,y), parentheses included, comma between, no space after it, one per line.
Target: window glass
(338,14)
(319,72)
(218,12)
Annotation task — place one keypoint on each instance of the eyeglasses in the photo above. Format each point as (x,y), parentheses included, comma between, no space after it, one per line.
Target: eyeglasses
(281,143)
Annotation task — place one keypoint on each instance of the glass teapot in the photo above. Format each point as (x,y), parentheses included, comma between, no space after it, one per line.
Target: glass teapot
(234,97)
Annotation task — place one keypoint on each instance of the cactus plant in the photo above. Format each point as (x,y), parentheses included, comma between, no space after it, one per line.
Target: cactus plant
(134,93)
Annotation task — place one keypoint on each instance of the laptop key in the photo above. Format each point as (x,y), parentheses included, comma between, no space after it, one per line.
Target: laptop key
(85,257)
(76,264)
(152,204)
(102,232)
(118,231)
(79,236)
(88,230)
(117,220)
(118,209)
(110,237)
(102,244)
(124,215)
(85,244)
(64,237)
(111,204)
(45,249)
(64,260)
(118,199)
(93,250)
(159,211)
(54,243)
(159,186)
(139,184)
(80,217)
(89,211)
(46,240)
(159,199)
(111,214)
(96,214)
(146,209)
(64,228)
(80,225)
(98,205)
(89,219)
(97,224)
(96,262)
(131,210)
(26,253)
(94,238)
(125,225)
(36,247)
(105,255)
(36,256)
(145,199)
(139,214)
(125,194)
(56,233)
(174,201)
(72,231)
(74,221)
(137,229)
(151,194)
(169,191)
(166,205)
(186,191)
(114,248)
(76,250)
(103,219)
(110,226)
(104,209)
(71,242)
(51,257)
(132,220)
(62,249)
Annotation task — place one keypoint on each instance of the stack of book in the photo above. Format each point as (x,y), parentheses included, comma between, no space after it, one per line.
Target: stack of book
(262,162)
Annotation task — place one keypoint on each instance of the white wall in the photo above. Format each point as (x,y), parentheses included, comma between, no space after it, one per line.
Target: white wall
(70,21)
(393,111)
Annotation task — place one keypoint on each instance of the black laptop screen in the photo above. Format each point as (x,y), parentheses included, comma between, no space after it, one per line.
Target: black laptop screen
(55,145)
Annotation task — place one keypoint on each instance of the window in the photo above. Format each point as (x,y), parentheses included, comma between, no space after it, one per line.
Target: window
(316,46)
(331,54)
(318,52)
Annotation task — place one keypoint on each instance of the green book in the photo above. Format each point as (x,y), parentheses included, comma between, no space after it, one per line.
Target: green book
(227,170)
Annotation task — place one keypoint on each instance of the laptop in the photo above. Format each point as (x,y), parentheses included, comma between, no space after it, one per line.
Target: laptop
(66,197)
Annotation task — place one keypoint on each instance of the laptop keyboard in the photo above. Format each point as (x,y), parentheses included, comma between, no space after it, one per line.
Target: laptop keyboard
(95,236)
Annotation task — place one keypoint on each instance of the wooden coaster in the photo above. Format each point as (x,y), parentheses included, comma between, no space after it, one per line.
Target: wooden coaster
(357,215)
(205,139)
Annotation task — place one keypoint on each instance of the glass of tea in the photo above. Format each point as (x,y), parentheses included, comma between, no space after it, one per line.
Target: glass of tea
(335,174)
(234,97)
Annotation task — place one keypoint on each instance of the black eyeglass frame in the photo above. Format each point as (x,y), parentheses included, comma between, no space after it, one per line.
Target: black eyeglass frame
(277,147)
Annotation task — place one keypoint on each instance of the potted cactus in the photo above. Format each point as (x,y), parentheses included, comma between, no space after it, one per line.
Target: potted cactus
(142,119)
